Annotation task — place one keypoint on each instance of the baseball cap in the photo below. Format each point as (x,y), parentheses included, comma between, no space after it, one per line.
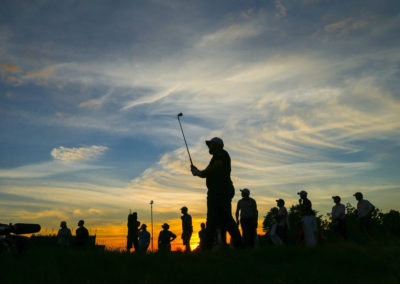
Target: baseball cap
(245,190)
(216,140)
(302,193)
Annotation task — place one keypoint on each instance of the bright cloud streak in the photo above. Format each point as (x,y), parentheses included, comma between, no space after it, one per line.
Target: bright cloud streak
(78,154)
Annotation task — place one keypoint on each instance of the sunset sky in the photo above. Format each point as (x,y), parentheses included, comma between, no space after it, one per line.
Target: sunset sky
(304,93)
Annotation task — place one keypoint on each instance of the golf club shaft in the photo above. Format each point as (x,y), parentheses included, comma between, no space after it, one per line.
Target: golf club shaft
(184,138)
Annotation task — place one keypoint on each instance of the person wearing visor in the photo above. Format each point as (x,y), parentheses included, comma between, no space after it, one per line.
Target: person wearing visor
(308,219)
(220,193)
(282,222)
(364,212)
(248,218)
(338,217)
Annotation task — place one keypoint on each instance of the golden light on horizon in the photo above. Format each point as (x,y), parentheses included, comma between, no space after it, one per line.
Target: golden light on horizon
(114,237)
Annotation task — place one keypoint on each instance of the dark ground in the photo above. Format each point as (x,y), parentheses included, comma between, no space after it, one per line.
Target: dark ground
(345,262)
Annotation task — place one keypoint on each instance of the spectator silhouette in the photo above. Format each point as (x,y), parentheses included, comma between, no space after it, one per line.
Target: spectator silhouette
(144,238)
(220,193)
(308,219)
(364,212)
(248,217)
(339,218)
(279,233)
(202,236)
(187,228)
(132,238)
(82,235)
(64,235)
(165,238)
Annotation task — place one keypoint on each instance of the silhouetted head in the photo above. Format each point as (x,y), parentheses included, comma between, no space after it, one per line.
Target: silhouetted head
(245,192)
(143,227)
(336,199)
(303,194)
(214,145)
(80,223)
(134,215)
(165,226)
(63,224)
(203,226)
(184,210)
(280,202)
(358,196)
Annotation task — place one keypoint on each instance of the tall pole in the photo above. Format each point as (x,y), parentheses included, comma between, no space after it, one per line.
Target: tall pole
(151,214)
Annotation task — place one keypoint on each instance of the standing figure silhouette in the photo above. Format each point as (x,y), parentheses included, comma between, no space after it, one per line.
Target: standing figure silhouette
(247,207)
(187,228)
(132,238)
(220,193)
(165,238)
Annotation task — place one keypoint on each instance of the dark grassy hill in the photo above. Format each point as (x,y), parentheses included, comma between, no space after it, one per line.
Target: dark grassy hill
(330,263)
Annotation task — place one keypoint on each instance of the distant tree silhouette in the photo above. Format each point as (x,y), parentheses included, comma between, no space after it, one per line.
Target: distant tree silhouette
(295,223)
(383,225)
(391,222)
(269,219)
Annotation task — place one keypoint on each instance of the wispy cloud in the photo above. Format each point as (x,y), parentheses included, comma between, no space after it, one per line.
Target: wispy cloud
(45,169)
(66,160)
(149,99)
(349,24)
(279,5)
(228,35)
(78,154)
(90,103)
(42,74)
(10,67)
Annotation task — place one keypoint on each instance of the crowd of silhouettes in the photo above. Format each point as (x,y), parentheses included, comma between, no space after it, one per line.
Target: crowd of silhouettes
(220,191)
(219,213)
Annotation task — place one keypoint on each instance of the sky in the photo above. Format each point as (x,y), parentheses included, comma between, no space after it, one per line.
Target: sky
(304,93)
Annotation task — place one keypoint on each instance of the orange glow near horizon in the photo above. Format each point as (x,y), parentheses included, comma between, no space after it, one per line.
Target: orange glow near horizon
(113,237)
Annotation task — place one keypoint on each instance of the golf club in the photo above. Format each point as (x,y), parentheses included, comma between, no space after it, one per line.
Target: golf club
(183,134)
